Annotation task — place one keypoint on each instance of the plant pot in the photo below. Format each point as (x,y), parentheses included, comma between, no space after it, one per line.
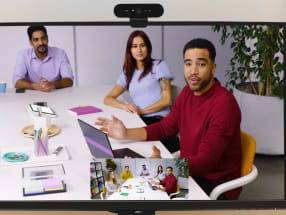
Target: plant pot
(262,118)
(183,182)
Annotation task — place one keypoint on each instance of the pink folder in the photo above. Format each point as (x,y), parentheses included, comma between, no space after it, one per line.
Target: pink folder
(84,110)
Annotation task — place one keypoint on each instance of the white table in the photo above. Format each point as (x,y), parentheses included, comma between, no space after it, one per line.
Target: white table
(14,116)
(133,194)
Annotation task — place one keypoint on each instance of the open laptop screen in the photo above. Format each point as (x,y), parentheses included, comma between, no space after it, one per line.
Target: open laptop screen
(96,140)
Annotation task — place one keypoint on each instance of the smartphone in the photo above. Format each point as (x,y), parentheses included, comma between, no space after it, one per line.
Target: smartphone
(20,90)
(43,104)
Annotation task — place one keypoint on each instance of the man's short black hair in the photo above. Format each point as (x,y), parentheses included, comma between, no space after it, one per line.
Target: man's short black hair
(169,167)
(201,44)
(34,28)
(143,164)
(126,166)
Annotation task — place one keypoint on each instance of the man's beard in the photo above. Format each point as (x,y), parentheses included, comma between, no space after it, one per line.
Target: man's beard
(202,85)
(42,52)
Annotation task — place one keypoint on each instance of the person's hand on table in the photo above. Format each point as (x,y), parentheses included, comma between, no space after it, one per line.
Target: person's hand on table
(45,85)
(155,183)
(131,108)
(156,152)
(114,127)
(159,188)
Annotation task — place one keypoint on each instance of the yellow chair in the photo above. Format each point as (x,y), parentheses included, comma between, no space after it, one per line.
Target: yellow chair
(248,169)
(103,193)
(178,191)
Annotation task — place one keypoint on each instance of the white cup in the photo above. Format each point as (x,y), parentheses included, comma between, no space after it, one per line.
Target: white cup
(42,122)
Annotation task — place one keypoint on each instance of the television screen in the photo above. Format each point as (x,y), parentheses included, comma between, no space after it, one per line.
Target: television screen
(209,93)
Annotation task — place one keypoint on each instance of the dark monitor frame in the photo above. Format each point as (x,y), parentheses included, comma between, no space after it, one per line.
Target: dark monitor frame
(137,205)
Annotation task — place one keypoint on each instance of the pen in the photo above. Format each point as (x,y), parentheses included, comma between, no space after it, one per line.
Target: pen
(40,140)
(36,141)
(40,132)
(28,133)
(46,141)
(41,143)
(43,138)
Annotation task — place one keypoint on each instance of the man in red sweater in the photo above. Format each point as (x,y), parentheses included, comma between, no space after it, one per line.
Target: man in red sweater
(207,117)
(169,182)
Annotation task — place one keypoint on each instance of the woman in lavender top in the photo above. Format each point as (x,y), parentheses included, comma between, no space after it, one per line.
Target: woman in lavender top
(160,173)
(111,183)
(148,82)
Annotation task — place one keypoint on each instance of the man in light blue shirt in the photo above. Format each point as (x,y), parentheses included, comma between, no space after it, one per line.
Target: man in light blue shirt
(144,171)
(42,67)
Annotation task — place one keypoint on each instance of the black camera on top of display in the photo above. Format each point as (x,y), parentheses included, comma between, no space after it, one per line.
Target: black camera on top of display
(138,13)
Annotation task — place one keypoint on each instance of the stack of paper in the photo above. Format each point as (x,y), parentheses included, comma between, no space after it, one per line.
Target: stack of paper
(44,186)
(33,187)
(53,184)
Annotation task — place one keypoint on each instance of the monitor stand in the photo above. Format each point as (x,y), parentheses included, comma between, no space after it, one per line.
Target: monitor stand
(145,212)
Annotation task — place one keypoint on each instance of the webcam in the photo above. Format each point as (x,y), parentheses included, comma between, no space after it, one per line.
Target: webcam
(138,13)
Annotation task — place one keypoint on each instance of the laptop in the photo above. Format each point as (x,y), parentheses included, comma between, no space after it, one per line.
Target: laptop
(151,186)
(99,145)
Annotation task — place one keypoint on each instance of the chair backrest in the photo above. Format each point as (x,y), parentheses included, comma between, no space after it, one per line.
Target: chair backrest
(178,188)
(175,91)
(104,190)
(248,147)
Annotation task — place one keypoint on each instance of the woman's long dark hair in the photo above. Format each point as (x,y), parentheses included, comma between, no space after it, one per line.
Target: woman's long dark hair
(158,169)
(108,177)
(130,63)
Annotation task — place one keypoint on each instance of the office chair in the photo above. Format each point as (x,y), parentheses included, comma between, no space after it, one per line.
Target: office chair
(175,91)
(173,194)
(103,193)
(248,170)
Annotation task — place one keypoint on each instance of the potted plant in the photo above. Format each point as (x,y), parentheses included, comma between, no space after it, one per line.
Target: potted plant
(110,164)
(183,175)
(256,79)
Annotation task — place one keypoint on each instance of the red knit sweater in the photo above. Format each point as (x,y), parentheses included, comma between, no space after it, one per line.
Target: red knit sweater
(209,127)
(170,183)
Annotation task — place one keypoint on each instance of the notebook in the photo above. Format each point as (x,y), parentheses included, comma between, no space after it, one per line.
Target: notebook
(81,110)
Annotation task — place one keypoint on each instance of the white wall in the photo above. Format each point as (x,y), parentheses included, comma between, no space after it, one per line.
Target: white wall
(12,40)
(101,50)
(175,38)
